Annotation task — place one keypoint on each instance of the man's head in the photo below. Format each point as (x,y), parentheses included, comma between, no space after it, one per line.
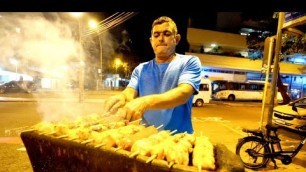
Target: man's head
(164,37)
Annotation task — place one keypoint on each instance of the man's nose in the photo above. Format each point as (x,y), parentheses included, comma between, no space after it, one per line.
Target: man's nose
(161,38)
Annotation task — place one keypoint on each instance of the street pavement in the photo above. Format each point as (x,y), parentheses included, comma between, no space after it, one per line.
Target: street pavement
(218,131)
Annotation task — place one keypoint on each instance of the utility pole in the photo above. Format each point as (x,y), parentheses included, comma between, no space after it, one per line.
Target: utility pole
(275,66)
(101,55)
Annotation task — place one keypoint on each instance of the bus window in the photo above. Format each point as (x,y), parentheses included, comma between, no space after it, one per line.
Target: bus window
(204,87)
(243,87)
(257,86)
(233,86)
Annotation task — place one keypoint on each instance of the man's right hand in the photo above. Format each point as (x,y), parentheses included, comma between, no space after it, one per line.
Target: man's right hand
(112,104)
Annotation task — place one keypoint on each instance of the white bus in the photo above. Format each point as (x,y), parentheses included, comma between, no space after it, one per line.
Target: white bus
(232,90)
(204,95)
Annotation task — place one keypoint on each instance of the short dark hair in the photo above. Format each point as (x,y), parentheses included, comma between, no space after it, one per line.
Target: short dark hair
(165,19)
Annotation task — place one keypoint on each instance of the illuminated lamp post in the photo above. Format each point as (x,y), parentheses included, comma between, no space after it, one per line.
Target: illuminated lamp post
(118,62)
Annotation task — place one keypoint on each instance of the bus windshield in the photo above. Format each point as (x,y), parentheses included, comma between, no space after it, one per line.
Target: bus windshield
(218,85)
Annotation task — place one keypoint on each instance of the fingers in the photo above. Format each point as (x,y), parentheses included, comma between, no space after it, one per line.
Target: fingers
(108,104)
(128,115)
(131,111)
(132,115)
(136,116)
(122,112)
(116,106)
(135,109)
(113,104)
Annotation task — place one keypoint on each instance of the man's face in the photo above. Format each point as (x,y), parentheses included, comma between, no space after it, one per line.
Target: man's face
(163,40)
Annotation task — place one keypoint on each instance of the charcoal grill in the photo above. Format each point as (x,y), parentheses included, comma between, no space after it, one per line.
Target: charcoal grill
(48,153)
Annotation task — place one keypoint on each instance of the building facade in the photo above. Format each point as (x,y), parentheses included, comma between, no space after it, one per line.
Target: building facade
(225,56)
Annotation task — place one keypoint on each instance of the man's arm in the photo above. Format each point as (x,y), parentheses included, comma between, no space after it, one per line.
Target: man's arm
(169,99)
(172,98)
(129,93)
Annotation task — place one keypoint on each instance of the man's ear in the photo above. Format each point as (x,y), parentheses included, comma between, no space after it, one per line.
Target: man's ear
(177,38)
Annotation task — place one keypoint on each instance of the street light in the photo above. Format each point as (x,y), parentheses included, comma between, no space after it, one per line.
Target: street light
(81,72)
(118,62)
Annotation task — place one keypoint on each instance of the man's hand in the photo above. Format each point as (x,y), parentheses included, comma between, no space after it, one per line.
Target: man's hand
(113,103)
(135,108)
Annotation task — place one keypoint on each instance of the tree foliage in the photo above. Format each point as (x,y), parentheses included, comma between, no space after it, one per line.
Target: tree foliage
(291,43)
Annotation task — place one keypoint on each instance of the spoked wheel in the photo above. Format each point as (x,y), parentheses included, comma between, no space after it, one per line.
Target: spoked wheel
(251,150)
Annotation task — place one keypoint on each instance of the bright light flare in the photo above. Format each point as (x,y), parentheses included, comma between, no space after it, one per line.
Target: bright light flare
(92,24)
(14,61)
(76,14)
(118,62)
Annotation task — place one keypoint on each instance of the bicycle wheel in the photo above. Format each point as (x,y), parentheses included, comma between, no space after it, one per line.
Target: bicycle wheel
(251,151)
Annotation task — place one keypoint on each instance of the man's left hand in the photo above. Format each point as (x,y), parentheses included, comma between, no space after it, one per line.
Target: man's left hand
(135,108)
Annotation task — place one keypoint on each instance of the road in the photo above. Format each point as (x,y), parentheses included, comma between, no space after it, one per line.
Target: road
(221,121)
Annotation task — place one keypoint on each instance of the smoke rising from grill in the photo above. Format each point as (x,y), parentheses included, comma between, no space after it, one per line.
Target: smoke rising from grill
(31,38)
(46,45)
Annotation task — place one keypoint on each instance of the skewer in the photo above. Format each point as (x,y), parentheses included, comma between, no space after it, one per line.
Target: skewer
(87,141)
(171,164)
(51,133)
(99,145)
(118,148)
(134,121)
(47,133)
(29,130)
(173,132)
(74,138)
(134,154)
(62,136)
(151,158)
(154,156)
(160,126)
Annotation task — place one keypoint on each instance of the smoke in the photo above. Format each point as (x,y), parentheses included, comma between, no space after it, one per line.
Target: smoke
(31,38)
(46,44)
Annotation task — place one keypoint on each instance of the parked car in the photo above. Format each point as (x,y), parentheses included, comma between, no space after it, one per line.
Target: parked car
(18,87)
(292,115)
